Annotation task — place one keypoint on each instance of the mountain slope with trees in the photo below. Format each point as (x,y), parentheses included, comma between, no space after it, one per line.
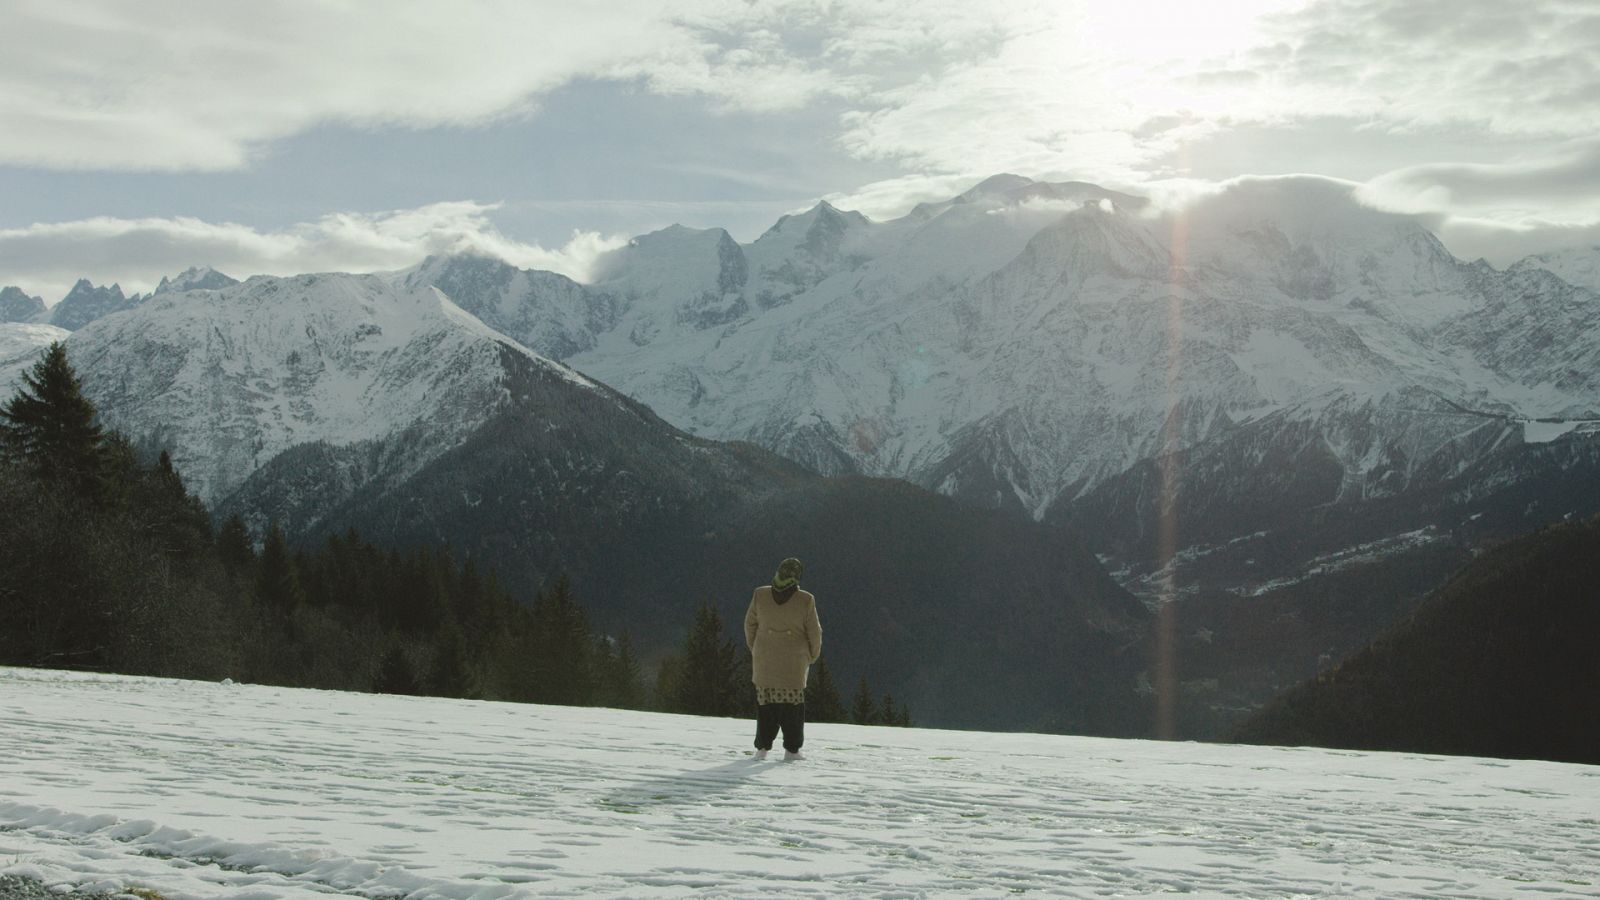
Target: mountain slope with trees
(110,564)
(1499,662)
(326,402)
(970,618)
(974,617)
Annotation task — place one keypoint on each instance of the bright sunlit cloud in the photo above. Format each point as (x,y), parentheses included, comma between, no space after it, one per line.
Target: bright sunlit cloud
(47,259)
(936,94)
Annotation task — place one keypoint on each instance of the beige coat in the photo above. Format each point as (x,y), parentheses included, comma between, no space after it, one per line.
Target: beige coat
(784,640)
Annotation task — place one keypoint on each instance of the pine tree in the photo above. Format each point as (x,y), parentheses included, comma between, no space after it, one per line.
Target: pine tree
(418,599)
(396,675)
(168,473)
(625,687)
(278,581)
(629,673)
(706,685)
(313,588)
(668,674)
(863,711)
(603,660)
(822,696)
(740,688)
(888,713)
(451,675)
(563,669)
(157,498)
(362,577)
(50,427)
(233,544)
(472,606)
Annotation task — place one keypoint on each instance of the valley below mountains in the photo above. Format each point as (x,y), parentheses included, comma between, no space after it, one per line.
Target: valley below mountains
(1054,460)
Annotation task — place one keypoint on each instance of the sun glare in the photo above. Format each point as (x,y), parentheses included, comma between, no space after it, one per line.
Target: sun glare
(1154,32)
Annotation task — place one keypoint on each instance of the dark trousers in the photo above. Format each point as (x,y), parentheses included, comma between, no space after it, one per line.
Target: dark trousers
(790,718)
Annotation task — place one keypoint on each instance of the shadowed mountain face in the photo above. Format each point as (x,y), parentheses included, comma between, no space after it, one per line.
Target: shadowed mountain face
(16,306)
(331,401)
(935,602)
(85,303)
(1499,662)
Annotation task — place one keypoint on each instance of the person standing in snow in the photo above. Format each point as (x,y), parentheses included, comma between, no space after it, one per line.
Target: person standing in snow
(785,638)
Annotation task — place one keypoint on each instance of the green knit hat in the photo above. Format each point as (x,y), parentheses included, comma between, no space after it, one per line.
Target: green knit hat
(788,576)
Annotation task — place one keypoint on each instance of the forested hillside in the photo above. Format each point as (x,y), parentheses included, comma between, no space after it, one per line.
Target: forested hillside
(110,564)
(1500,662)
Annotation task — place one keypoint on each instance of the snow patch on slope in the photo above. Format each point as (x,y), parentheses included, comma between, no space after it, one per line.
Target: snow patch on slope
(1575,265)
(230,378)
(22,345)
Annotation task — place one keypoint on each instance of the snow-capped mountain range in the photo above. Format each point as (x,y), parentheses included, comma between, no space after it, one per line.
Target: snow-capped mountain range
(1273,384)
(87,302)
(1024,342)
(275,363)
(1023,345)
(195,278)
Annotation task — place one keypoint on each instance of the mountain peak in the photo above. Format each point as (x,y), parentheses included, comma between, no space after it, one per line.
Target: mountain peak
(435,264)
(1575,265)
(85,303)
(1288,197)
(1301,208)
(84,288)
(676,262)
(17,306)
(1003,183)
(823,214)
(669,239)
(665,243)
(680,230)
(1007,190)
(195,278)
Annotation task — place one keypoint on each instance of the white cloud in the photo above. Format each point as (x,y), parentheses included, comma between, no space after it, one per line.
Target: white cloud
(1068,88)
(199,85)
(948,91)
(1106,91)
(1035,206)
(1502,211)
(1503,243)
(1101,90)
(1115,93)
(1561,185)
(1503,68)
(47,259)
(940,84)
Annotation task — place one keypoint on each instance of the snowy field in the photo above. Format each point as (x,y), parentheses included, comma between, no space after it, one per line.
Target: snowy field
(195,789)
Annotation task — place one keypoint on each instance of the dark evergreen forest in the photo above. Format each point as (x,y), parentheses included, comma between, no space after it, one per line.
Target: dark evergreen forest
(107,563)
(1499,662)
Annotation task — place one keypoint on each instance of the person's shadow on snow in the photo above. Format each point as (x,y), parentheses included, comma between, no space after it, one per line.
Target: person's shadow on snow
(683,787)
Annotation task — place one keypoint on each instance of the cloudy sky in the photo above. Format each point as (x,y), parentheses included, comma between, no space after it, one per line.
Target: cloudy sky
(137,139)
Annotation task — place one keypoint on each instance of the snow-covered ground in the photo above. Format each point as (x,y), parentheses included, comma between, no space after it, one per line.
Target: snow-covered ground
(220,790)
